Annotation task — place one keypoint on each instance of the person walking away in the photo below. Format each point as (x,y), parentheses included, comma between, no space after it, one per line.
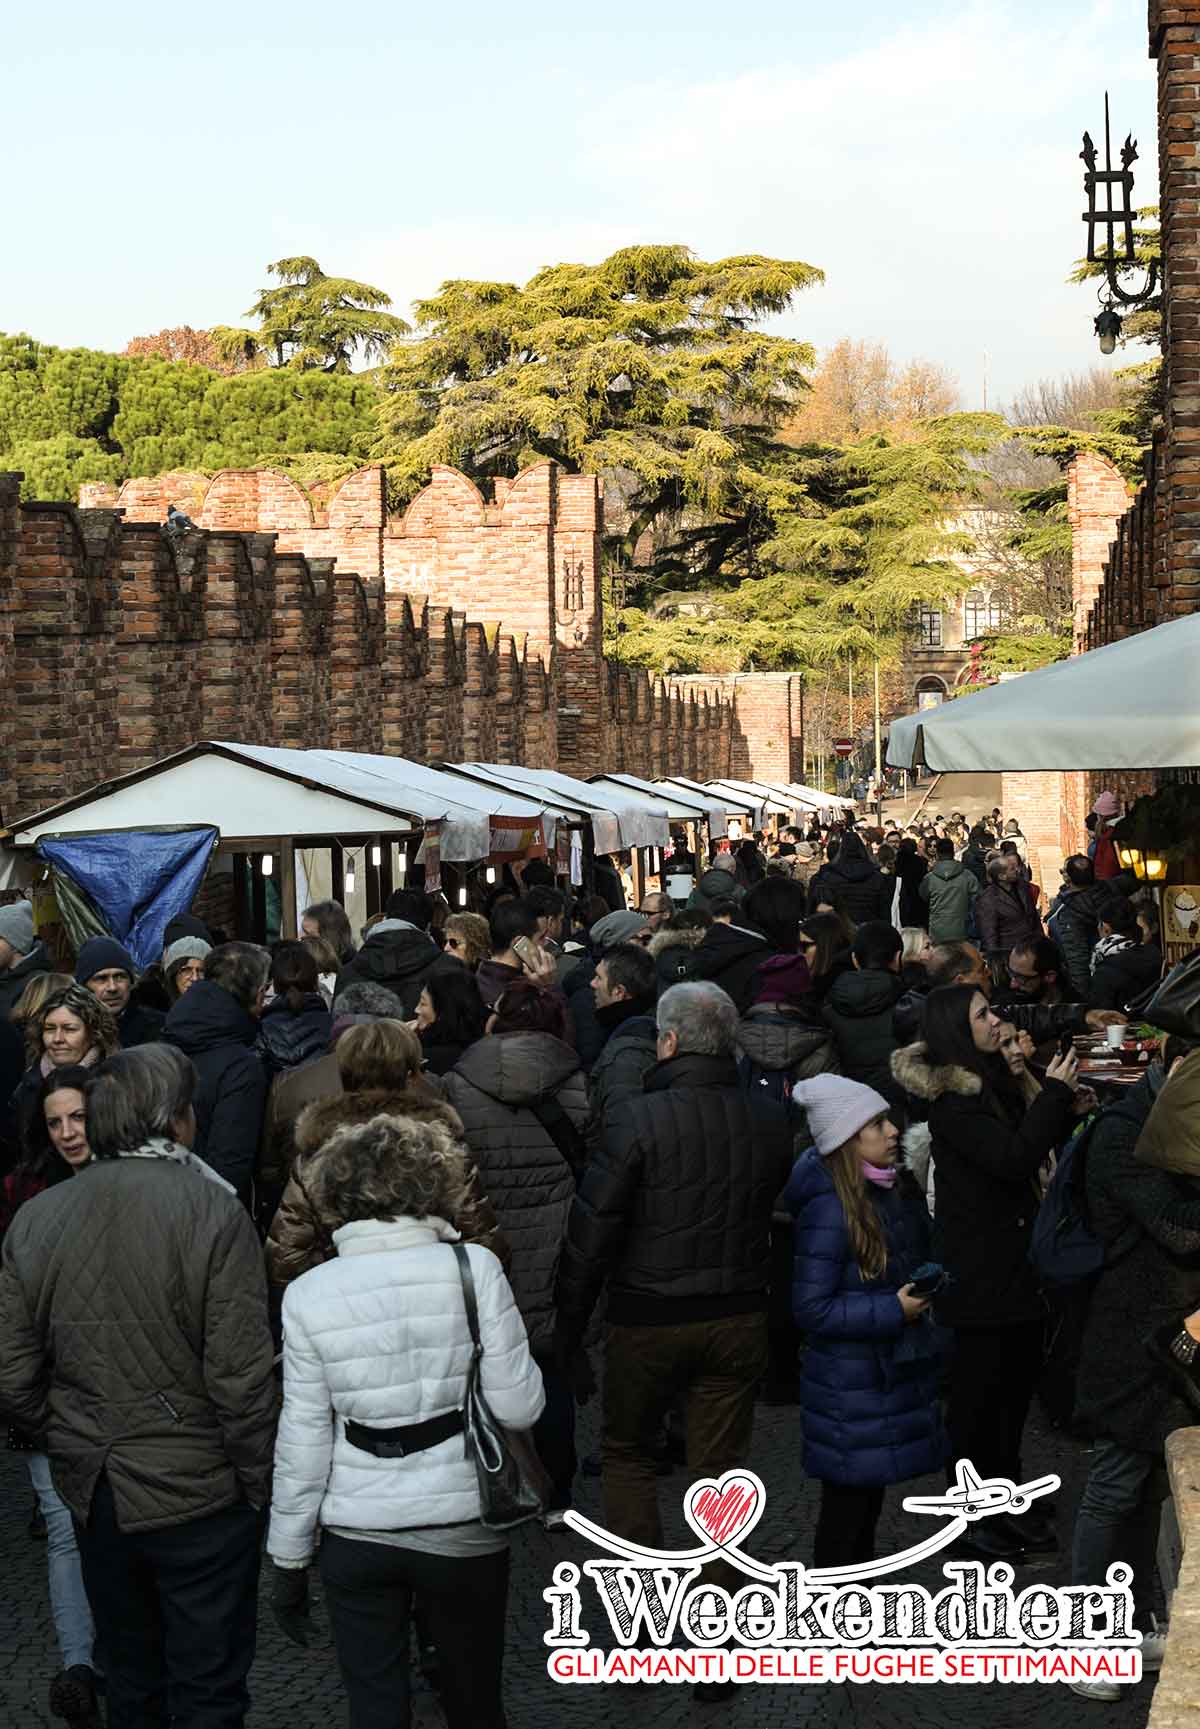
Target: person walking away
(949,891)
(671,946)
(522,1097)
(134,1336)
(1074,920)
(674,1212)
(1105,862)
(868,1387)
(216,1025)
(370,1460)
(1147,1215)
(1005,914)
(295,1025)
(987,1146)
(911,871)
(975,855)
(22,954)
(859,1008)
(852,884)
(108,971)
(717,883)
(55,1148)
(399,953)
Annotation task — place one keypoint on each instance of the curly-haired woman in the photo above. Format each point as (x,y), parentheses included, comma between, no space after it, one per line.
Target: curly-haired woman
(370,1454)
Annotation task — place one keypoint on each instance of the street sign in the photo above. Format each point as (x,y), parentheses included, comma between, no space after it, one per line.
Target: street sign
(843,747)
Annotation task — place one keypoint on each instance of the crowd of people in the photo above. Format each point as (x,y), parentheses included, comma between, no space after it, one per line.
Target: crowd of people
(781,1135)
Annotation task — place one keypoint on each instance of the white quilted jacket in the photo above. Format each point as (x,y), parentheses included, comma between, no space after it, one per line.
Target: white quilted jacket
(380,1335)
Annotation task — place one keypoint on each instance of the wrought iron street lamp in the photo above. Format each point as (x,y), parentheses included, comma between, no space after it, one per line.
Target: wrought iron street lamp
(1117,211)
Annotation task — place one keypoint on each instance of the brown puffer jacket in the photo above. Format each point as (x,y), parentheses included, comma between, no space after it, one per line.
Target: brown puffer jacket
(497,1086)
(133,1322)
(301,1238)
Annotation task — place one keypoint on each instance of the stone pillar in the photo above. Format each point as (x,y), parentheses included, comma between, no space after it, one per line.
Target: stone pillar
(1097,498)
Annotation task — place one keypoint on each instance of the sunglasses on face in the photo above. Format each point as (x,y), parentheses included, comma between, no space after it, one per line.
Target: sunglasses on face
(453,943)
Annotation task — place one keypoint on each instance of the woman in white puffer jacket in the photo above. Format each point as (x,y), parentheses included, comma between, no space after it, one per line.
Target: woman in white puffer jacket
(370,1457)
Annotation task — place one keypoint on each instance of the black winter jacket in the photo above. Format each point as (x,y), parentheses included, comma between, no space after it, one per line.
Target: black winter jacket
(671,949)
(288,1037)
(854,885)
(400,959)
(1073,922)
(12,1067)
(497,1087)
(911,869)
(1120,977)
(208,1026)
(987,1196)
(676,1205)
(590,1036)
(729,956)
(137,1025)
(715,885)
(859,1011)
(1149,1220)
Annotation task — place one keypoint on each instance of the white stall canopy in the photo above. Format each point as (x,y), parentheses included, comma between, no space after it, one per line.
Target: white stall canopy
(1132,704)
(744,806)
(680,806)
(256,793)
(619,819)
(776,803)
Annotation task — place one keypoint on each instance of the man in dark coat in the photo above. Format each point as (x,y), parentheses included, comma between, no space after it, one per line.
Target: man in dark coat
(108,971)
(729,954)
(675,1210)
(590,1036)
(1073,921)
(22,956)
(1149,1222)
(852,884)
(949,890)
(399,953)
(860,1005)
(1004,912)
(215,1024)
(1123,965)
(134,1337)
(911,870)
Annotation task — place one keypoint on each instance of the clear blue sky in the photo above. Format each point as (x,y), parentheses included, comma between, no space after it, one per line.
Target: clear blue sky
(925,156)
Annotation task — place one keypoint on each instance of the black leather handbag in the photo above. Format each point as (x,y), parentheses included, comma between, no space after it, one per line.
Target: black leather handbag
(514,1486)
(1173,1004)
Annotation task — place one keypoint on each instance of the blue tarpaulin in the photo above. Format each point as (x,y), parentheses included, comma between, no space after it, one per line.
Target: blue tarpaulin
(139,880)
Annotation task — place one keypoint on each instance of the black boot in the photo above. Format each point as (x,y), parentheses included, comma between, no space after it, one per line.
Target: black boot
(73,1697)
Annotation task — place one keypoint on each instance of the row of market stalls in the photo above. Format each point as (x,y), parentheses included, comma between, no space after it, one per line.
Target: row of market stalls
(292,826)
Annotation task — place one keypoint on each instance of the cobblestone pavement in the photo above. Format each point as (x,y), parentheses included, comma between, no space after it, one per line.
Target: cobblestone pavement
(300,1690)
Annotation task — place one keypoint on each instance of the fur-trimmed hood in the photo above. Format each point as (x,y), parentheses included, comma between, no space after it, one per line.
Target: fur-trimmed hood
(321,1119)
(672,938)
(912,1068)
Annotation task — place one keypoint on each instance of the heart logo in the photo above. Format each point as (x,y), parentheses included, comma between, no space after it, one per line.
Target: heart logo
(724,1510)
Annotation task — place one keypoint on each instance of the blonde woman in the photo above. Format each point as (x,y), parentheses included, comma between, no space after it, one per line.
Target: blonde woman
(468,939)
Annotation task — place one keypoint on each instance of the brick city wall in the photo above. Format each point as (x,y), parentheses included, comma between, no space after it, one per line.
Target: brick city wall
(468,629)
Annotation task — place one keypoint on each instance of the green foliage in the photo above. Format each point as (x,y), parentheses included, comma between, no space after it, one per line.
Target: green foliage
(646,368)
(1014,652)
(314,323)
(1142,325)
(55,467)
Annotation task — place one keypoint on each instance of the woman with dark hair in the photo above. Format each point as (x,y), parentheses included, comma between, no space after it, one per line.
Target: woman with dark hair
(851,882)
(328,919)
(71,1028)
(910,868)
(523,1100)
(824,941)
(751,867)
(295,1025)
(988,1141)
(55,1147)
(450,1016)
(775,907)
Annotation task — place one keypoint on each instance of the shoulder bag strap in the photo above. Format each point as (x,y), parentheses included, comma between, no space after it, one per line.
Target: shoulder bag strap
(562,1131)
(468,1291)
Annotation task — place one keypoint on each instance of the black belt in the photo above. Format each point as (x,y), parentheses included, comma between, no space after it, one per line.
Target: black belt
(409,1438)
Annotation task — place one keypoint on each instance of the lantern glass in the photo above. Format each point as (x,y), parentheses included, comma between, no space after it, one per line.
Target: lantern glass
(1156,868)
(268,864)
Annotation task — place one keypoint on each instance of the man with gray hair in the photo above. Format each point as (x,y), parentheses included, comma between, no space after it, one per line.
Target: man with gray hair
(675,1209)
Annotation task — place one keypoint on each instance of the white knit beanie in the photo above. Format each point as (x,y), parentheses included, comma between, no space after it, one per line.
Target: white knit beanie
(837,1109)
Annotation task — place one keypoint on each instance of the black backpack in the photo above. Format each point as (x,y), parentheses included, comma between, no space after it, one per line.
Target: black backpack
(1064,1249)
(764,1083)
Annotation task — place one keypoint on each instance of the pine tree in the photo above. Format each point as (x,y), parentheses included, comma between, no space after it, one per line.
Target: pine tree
(313,322)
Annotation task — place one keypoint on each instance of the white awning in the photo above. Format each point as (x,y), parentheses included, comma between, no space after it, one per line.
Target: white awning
(619,820)
(1132,704)
(259,793)
(744,806)
(680,806)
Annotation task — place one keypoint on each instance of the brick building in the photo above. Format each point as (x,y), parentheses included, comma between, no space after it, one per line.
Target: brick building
(469,628)
(1136,562)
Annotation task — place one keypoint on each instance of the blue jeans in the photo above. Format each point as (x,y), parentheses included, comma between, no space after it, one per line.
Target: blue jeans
(1117,1520)
(68,1599)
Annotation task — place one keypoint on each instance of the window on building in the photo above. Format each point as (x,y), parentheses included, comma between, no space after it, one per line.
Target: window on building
(929,625)
(981,613)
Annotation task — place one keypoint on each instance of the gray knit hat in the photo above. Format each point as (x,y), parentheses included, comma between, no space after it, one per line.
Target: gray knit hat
(362,997)
(16,926)
(185,949)
(615,928)
(837,1108)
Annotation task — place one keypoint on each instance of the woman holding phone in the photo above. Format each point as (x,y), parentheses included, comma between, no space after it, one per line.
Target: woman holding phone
(989,1141)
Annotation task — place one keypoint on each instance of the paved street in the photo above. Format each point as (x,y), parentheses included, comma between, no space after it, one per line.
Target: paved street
(976,795)
(297,1690)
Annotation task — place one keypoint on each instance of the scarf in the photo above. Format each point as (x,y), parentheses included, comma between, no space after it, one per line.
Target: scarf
(1110,946)
(885,1177)
(46,1067)
(159,1147)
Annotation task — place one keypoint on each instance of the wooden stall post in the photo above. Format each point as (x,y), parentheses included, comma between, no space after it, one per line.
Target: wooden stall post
(288,922)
